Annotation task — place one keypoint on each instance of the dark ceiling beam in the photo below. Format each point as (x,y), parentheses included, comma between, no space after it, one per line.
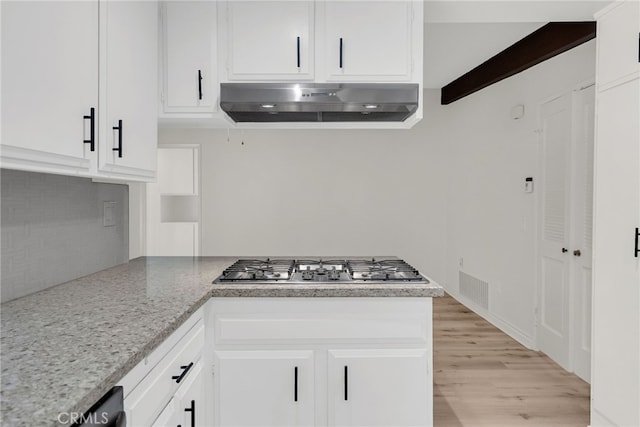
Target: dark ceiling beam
(544,43)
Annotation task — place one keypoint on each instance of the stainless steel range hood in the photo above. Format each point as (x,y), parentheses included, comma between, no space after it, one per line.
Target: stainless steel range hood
(319,102)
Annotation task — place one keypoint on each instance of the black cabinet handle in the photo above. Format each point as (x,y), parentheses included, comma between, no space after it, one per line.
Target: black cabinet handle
(340,52)
(298,51)
(295,384)
(637,251)
(92,129)
(565,250)
(346,383)
(200,85)
(119,129)
(185,369)
(192,409)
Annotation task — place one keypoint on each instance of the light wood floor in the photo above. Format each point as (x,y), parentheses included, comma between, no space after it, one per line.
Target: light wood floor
(485,378)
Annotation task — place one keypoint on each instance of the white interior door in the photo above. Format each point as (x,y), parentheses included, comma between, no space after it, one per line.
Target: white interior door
(553,310)
(582,238)
(564,320)
(173,203)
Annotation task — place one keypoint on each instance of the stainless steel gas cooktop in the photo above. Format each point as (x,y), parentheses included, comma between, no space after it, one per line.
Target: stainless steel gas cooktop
(307,271)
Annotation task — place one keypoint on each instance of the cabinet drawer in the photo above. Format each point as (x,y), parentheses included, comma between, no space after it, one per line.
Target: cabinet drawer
(152,394)
(322,320)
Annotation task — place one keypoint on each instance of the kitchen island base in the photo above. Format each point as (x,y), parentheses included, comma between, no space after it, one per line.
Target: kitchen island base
(322,361)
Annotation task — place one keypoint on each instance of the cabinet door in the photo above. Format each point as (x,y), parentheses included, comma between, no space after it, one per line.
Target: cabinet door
(615,389)
(170,415)
(129,88)
(379,387)
(264,388)
(189,48)
(270,40)
(147,398)
(191,399)
(49,83)
(368,40)
(618,54)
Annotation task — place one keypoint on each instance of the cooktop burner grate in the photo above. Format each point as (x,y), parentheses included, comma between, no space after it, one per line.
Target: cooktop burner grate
(385,270)
(320,271)
(249,270)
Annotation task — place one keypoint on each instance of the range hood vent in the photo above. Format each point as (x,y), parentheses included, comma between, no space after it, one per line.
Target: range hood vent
(318,102)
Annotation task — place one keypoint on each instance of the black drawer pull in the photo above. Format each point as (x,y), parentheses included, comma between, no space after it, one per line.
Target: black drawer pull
(346,383)
(185,369)
(637,243)
(92,129)
(295,384)
(200,85)
(119,129)
(192,409)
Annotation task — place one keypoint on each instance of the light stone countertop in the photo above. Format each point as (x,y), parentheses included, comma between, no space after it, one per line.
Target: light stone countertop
(64,347)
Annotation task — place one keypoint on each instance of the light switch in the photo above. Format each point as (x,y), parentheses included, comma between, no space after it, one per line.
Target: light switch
(528,185)
(109,214)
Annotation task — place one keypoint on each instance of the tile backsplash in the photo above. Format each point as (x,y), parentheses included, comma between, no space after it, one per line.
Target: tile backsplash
(54,230)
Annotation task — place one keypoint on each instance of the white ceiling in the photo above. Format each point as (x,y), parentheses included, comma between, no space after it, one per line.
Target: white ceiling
(461,34)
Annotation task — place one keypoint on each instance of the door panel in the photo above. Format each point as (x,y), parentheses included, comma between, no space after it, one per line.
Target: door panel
(553,328)
(189,47)
(261,388)
(380,387)
(130,89)
(368,51)
(263,39)
(49,81)
(617,291)
(582,233)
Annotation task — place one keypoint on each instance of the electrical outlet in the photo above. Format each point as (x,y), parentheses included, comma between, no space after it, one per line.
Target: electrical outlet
(109,214)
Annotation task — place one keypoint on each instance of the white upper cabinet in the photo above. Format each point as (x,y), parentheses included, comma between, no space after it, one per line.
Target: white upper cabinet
(367,41)
(190,81)
(49,83)
(71,72)
(618,50)
(270,40)
(129,88)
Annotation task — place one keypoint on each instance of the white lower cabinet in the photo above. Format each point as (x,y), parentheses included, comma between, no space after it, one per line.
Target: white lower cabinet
(170,415)
(322,361)
(168,386)
(191,399)
(264,388)
(378,387)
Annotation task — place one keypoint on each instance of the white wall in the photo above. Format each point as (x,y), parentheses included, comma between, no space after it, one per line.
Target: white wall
(451,187)
(323,192)
(490,219)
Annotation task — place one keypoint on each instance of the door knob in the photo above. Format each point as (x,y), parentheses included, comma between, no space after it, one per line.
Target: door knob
(577,252)
(565,250)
